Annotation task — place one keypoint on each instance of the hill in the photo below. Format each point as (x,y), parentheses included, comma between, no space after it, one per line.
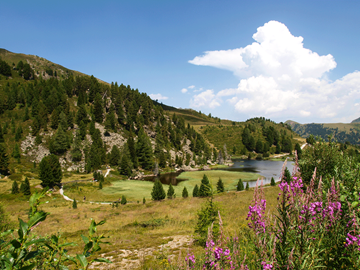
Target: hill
(340,131)
(357,120)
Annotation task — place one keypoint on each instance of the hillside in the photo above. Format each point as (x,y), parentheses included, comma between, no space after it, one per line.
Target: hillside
(340,131)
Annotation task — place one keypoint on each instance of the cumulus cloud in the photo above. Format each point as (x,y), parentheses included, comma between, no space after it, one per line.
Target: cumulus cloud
(157,97)
(280,78)
(205,99)
(191,86)
(184,90)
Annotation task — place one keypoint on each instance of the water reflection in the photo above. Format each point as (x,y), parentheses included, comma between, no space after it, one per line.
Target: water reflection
(266,168)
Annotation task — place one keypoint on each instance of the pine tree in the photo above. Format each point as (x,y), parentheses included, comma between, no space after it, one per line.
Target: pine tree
(15,188)
(123,200)
(125,165)
(185,193)
(74,204)
(60,143)
(100,185)
(298,150)
(50,171)
(114,158)
(1,135)
(240,185)
(220,186)
(144,201)
(144,151)
(16,152)
(26,187)
(98,109)
(272,183)
(247,186)
(196,191)
(158,192)
(18,134)
(171,192)
(287,175)
(205,188)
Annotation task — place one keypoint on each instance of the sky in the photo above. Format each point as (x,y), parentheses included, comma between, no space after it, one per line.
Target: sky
(283,60)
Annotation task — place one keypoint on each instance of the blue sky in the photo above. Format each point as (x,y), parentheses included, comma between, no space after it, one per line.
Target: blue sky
(256,63)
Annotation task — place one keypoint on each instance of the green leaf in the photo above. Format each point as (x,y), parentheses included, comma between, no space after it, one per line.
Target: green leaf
(63,267)
(36,218)
(102,260)
(23,227)
(35,241)
(6,233)
(28,267)
(82,260)
(85,239)
(343,198)
(15,243)
(354,204)
(54,239)
(88,246)
(101,222)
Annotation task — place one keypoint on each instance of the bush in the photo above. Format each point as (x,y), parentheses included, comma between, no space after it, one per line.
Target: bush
(123,200)
(74,204)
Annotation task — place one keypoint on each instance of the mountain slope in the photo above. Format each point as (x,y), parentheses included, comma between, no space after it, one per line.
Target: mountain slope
(341,132)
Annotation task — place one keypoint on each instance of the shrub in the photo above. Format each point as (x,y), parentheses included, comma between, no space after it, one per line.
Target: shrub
(123,200)
(74,204)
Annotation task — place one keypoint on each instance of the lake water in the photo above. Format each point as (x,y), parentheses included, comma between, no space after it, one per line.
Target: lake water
(266,168)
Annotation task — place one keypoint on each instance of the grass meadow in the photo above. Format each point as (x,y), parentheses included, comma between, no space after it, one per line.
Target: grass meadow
(135,226)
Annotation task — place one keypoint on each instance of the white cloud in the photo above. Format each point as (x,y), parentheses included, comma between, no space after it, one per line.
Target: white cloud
(205,99)
(280,78)
(184,90)
(157,97)
(191,86)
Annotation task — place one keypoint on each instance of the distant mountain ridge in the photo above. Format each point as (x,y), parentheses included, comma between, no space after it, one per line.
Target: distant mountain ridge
(340,131)
(357,120)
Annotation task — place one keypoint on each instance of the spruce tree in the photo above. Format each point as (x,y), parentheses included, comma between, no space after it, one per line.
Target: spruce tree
(123,200)
(158,192)
(18,134)
(247,186)
(144,151)
(220,186)
(132,150)
(240,185)
(98,109)
(16,152)
(1,135)
(287,175)
(60,144)
(171,192)
(196,191)
(144,201)
(125,165)
(74,204)
(50,171)
(100,185)
(15,188)
(26,188)
(114,158)
(272,183)
(26,115)
(185,193)
(205,188)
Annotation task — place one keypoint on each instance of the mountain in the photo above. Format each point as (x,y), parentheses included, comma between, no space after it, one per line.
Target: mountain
(46,108)
(340,131)
(357,120)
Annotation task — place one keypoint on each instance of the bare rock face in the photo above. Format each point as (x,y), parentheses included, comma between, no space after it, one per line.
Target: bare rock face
(114,138)
(29,148)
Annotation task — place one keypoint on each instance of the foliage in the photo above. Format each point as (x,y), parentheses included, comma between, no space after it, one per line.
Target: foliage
(123,200)
(50,171)
(185,193)
(247,186)
(74,204)
(220,186)
(4,160)
(28,251)
(171,192)
(205,188)
(207,216)
(158,193)
(240,185)
(272,183)
(15,188)
(196,191)
(25,187)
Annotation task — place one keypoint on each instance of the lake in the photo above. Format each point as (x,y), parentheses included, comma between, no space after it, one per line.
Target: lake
(266,168)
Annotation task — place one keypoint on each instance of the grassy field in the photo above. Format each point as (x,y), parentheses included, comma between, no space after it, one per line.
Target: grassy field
(137,227)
